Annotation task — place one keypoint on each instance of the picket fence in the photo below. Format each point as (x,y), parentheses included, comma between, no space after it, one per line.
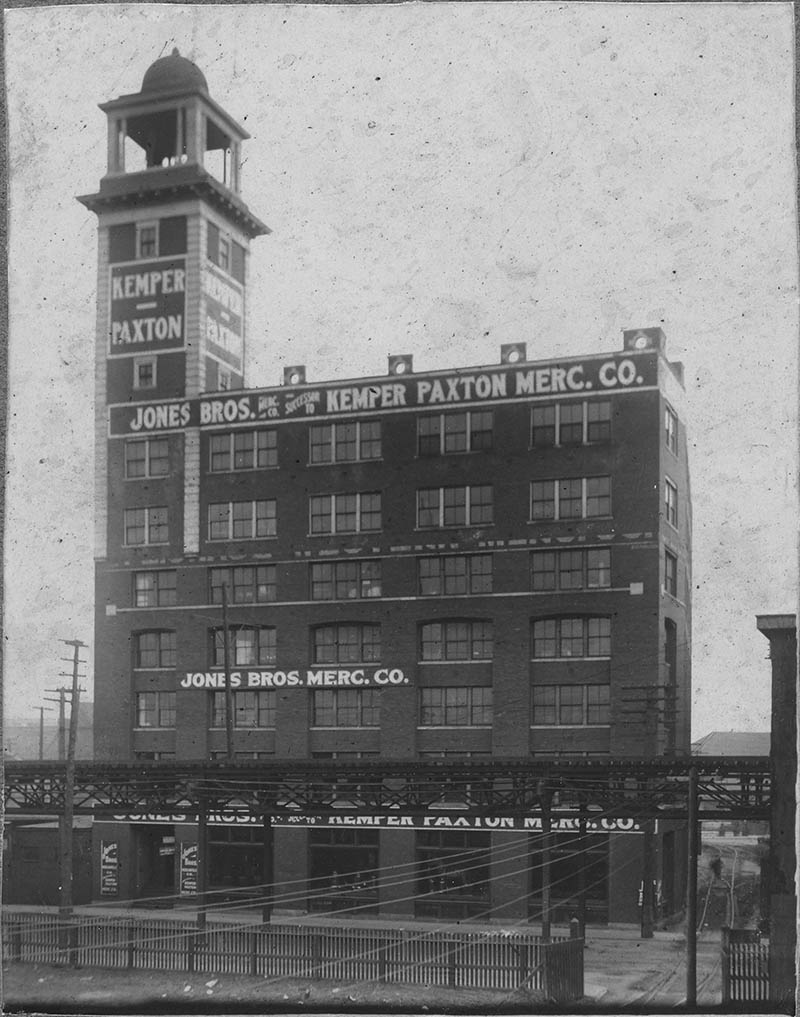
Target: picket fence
(745,967)
(352,953)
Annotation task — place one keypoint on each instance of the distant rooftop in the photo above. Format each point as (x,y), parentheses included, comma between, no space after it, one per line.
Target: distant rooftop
(733,743)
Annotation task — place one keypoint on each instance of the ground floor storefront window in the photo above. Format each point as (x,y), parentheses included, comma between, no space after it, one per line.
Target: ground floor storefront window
(236,864)
(578,877)
(343,871)
(452,874)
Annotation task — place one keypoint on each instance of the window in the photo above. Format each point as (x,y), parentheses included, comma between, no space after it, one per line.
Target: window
(345,442)
(572,498)
(462,706)
(670,573)
(671,429)
(438,507)
(343,870)
(250,709)
(223,379)
(347,644)
(154,589)
(345,513)
(146,457)
(155,709)
(154,649)
(247,584)
(456,640)
(555,638)
(144,372)
(670,502)
(147,240)
(154,757)
(345,708)
(443,433)
(454,574)
(224,253)
(575,423)
(583,569)
(146,526)
(345,580)
(243,450)
(247,646)
(453,873)
(242,520)
(570,705)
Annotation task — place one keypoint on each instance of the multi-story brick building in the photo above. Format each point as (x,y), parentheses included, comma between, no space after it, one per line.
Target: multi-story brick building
(483,561)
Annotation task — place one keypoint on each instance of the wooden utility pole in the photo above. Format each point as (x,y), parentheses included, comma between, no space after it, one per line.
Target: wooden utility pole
(691,894)
(226,663)
(42,710)
(62,726)
(66,820)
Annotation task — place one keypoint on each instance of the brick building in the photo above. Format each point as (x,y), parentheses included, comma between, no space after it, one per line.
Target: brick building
(484,561)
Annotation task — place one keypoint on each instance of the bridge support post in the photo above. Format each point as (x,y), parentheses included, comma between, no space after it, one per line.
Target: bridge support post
(691,893)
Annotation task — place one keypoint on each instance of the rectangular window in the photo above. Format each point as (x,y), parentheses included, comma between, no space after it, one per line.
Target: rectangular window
(154,589)
(443,433)
(146,457)
(154,649)
(455,574)
(147,240)
(456,640)
(569,705)
(456,706)
(345,513)
(555,638)
(670,502)
(671,573)
(155,709)
(243,450)
(439,507)
(571,498)
(242,520)
(347,644)
(247,646)
(671,429)
(250,709)
(576,423)
(345,708)
(345,580)
(144,372)
(350,441)
(146,526)
(224,251)
(247,584)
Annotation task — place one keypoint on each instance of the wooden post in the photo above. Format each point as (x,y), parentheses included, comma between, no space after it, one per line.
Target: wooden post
(648,876)
(546,898)
(691,893)
(269,869)
(202,866)
(226,657)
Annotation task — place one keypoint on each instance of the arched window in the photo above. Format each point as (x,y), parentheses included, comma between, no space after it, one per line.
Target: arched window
(456,639)
(248,645)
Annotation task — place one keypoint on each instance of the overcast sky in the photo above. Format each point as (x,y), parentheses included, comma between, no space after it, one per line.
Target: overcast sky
(439,179)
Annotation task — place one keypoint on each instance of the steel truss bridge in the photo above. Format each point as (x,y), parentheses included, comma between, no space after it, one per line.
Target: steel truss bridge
(699,787)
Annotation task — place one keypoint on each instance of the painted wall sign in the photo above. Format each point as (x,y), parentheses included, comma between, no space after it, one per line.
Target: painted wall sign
(147,306)
(109,868)
(224,317)
(170,818)
(310,678)
(620,373)
(187,870)
(458,820)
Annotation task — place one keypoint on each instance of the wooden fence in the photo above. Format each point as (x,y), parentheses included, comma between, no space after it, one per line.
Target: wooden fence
(745,967)
(350,953)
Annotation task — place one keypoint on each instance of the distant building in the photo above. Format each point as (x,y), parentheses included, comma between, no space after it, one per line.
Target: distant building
(481,562)
(733,743)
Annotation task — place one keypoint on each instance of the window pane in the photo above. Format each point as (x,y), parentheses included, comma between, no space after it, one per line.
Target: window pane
(570,498)
(543,503)
(454,506)
(345,437)
(322,582)
(157,526)
(543,570)
(370,439)
(598,567)
(428,435)
(481,705)
(345,509)
(543,425)
(570,570)
(218,521)
(599,637)
(243,520)
(597,705)
(371,516)
(480,573)
(428,507)
(481,423)
(320,513)
(431,712)
(347,708)
(482,640)
(544,638)
(430,577)
(570,429)
(570,708)
(321,443)
(135,458)
(570,642)
(135,526)
(266,521)
(370,579)
(598,427)
(455,574)
(456,706)
(455,432)
(598,496)
(544,704)
(481,509)
(347,582)
(431,641)
(323,708)
(370,707)
(266,449)
(145,589)
(220,445)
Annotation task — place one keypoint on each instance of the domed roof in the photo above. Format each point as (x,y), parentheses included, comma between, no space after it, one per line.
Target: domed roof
(173,73)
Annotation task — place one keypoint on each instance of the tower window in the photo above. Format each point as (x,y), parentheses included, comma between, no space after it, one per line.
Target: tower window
(147,240)
(144,372)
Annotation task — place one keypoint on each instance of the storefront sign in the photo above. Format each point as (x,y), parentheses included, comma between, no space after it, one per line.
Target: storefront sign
(316,678)
(109,868)
(187,871)
(460,821)
(170,818)
(147,306)
(224,317)
(460,388)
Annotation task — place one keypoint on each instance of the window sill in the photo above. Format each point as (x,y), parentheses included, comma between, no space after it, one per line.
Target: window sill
(571,519)
(566,660)
(346,462)
(570,727)
(241,469)
(237,540)
(471,660)
(454,727)
(350,727)
(148,476)
(135,547)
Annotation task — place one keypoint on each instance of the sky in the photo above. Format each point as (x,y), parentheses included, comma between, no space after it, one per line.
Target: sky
(439,179)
